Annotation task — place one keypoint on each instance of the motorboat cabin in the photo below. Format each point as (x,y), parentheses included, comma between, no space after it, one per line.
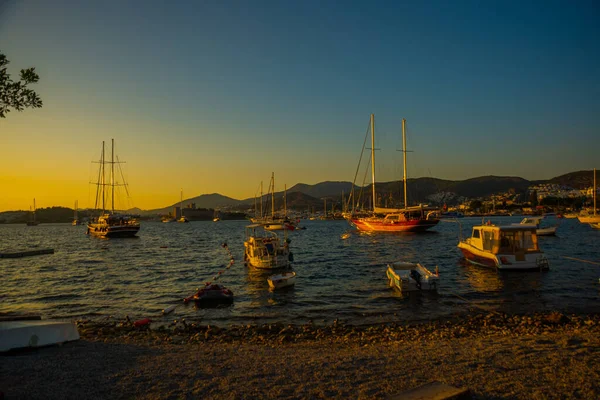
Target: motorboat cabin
(511,247)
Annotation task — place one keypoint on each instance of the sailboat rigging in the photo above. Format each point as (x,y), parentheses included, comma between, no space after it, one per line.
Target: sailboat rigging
(408,219)
(182,218)
(33,221)
(593,219)
(110,224)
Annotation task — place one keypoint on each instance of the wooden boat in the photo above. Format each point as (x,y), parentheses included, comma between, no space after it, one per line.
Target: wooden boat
(591,219)
(110,224)
(412,277)
(595,225)
(265,249)
(282,280)
(211,295)
(510,247)
(408,219)
(536,221)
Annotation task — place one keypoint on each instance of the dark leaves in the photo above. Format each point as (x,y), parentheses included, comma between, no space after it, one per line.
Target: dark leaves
(16,95)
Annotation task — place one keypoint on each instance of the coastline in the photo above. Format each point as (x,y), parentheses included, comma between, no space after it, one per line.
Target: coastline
(495,355)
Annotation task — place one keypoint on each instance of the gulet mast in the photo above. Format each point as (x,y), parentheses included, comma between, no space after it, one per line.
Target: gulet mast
(373,156)
(404,158)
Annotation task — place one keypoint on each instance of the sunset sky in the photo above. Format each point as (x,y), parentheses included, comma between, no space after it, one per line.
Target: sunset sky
(213,96)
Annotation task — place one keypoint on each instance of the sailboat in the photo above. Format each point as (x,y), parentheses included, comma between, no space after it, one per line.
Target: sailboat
(182,218)
(593,219)
(32,221)
(408,219)
(76,221)
(110,224)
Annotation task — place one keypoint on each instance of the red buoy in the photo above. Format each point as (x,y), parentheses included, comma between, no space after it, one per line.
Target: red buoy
(142,322)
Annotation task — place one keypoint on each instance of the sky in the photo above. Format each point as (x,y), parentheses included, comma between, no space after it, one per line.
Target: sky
(213,96)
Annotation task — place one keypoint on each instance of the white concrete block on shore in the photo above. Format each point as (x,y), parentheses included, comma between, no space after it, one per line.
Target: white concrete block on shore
(16,335)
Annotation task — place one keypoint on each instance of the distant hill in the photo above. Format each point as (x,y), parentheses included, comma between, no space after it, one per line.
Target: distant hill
(576,180)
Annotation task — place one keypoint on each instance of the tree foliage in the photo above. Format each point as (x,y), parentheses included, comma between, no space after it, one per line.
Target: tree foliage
(16,95)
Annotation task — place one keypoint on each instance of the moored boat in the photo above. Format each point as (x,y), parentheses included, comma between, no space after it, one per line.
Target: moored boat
(265,249)
(594,218)
(510,247)
(282,280)
(411,277)
(539,230)
(110,224)
(408,219)
(211,295)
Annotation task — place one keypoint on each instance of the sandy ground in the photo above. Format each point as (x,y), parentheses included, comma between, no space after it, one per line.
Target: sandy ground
(547,365)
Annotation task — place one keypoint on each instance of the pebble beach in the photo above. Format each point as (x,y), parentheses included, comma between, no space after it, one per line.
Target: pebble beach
(494,355)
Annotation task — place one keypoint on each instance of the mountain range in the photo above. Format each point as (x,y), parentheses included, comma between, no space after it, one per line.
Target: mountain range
(420,190)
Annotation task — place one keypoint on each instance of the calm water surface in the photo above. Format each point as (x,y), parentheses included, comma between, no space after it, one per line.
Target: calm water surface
(337,278)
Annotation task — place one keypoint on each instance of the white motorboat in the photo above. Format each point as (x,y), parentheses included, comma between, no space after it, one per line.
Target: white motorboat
(282,280)
(412,277)
(540,231)
(265,249)
(510,247)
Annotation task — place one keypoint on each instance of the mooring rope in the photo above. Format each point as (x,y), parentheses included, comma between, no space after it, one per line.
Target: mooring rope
(579,259)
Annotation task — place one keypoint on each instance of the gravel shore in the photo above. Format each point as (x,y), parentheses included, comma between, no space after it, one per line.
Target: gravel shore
(496,356)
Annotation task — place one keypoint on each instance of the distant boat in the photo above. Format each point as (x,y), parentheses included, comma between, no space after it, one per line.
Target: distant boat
(408,219)
(33,221)
(110,224)
(182,218)
(536,221)
(76,221)
(591,219)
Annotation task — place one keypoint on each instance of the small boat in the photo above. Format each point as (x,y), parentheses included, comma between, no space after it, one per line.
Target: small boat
(33,221)
(211,295)
(412,277)
(594,218)
(282,280)
(536,221)
(595,225)
(265,249)
(76,221)
(509,247)
(182,218)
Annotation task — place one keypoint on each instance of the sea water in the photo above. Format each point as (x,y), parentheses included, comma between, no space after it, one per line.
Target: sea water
(338,278)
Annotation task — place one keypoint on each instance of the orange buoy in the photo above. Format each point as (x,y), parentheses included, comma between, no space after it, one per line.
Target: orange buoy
(142,322)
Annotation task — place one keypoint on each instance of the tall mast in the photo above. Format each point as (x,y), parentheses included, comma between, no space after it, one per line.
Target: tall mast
(273,194)
(594,192)
(285,200)
(261,200)
(112,175)
(404,158)
(373,156)
(103,178)
(181,204)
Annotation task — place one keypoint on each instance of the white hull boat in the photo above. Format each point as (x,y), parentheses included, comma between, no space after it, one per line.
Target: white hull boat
(265,249)
(412,277)
(510,247)
(15,335)
(536,222)
(282,280)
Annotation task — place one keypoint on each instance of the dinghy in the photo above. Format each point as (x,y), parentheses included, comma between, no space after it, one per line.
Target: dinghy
(211,295)
(412,277)
(282,280)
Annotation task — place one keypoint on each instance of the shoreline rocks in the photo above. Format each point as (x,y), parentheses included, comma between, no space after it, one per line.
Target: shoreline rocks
(476,325)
